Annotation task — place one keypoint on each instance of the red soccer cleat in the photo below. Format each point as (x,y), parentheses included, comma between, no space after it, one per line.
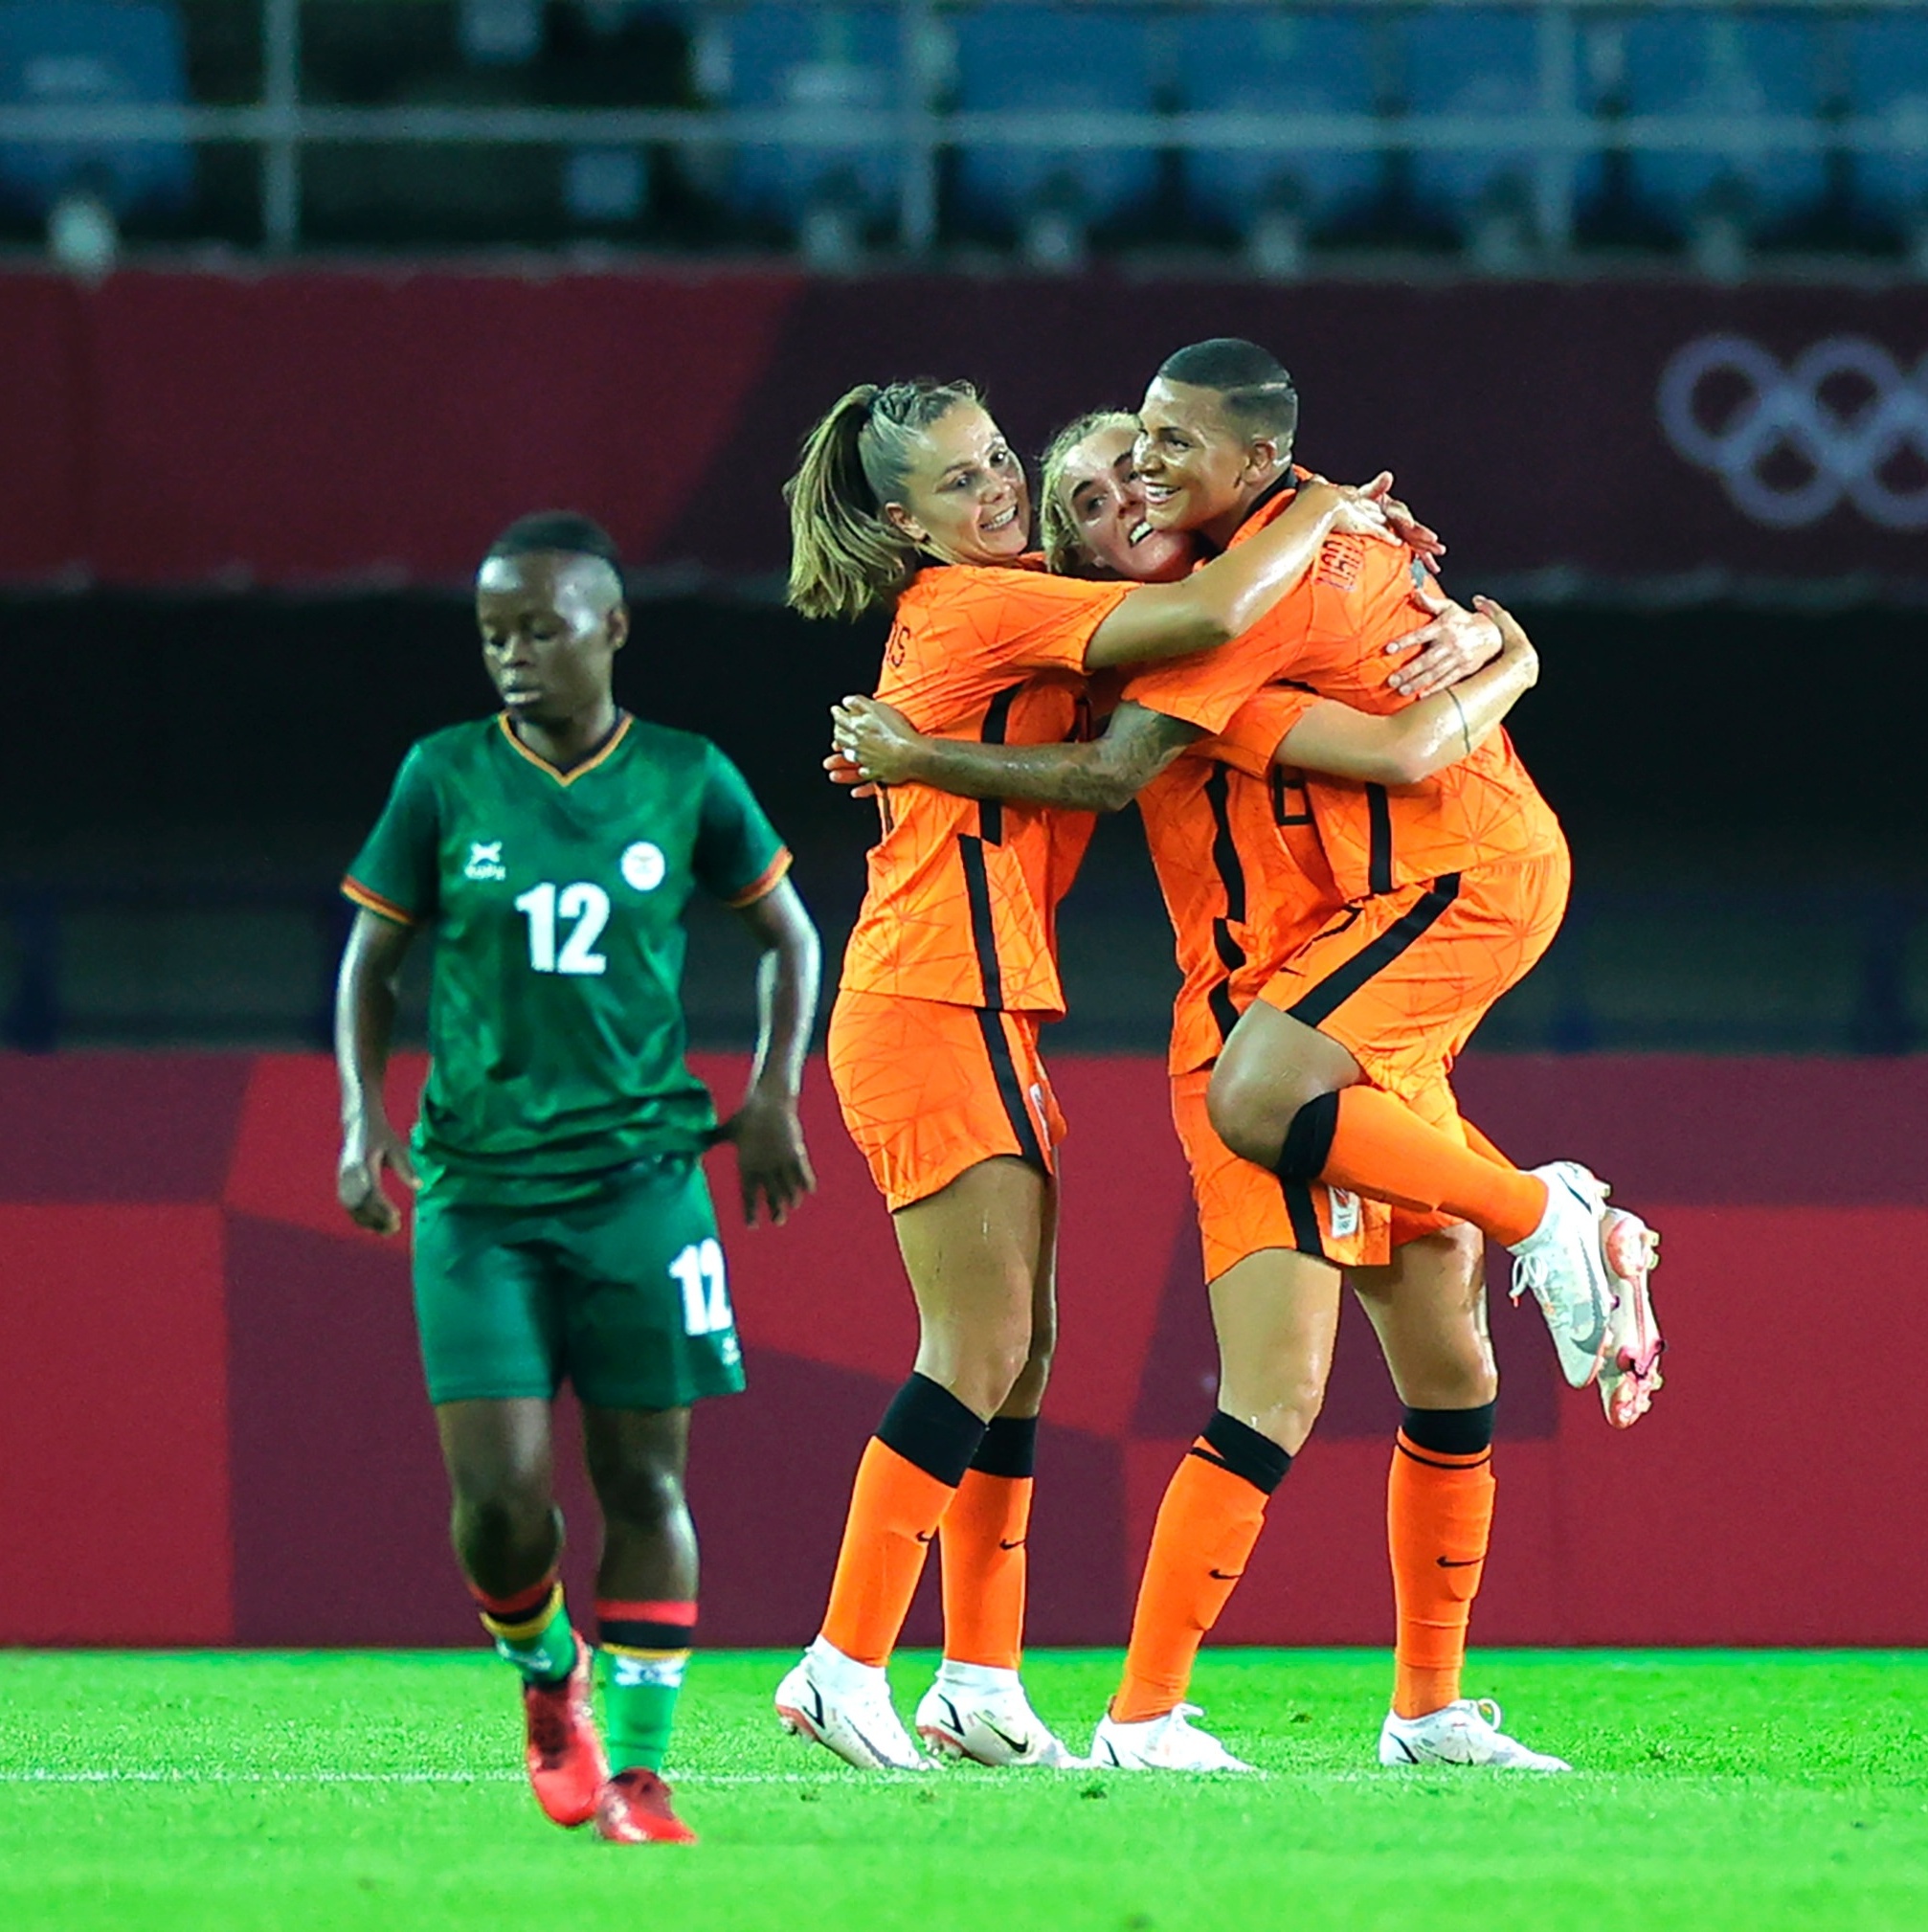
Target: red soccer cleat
(565,1764)
(634,1808)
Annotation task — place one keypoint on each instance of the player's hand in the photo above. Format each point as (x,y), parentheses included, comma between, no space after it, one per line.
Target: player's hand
(1453,647)
(366,1147)
(771,1165)
(877,740)
(843,771)
(1422,540)
(1362,509)
(1516,647)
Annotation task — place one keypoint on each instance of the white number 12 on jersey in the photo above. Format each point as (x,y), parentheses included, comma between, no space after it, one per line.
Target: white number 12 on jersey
(588,905)
(705,1299)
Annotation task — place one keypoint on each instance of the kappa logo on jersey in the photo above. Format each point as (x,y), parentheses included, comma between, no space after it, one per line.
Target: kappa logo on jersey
(485,860)
(643,866)
(1345,1208)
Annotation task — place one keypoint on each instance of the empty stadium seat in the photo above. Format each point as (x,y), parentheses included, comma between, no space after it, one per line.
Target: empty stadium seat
(1887,80)
(1675,62)
(1294,61)
(92,53)
(1088,57)
(1481,62)
(824,61)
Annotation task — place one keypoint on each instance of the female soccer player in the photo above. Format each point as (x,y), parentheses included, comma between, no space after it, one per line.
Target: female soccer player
(909,497)
(1245,883)
(563,1229)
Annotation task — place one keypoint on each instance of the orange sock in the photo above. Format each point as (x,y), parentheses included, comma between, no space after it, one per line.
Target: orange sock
(1382,1148)
(905,1481)
(982,1539)
(1439,1514)
(1480,1145)
(1213,1511)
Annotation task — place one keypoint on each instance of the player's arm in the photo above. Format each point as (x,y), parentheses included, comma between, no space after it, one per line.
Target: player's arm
(1101,776)
(365,992)
(772,1163)
(1229,594)
(1425,738)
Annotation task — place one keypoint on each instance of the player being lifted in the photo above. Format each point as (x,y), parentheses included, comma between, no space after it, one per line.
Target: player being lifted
(909,497)
(563,1229)
(1247,884)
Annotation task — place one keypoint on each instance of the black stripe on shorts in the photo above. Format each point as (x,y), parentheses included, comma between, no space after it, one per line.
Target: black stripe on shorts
(1321,1002)
(983,926)
(1011,1090)
(1304,1218)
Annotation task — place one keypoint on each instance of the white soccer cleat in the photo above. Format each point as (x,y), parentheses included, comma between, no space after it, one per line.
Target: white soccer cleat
(1563,1262)
(1630,1375)
(846,1706)
(1465,1733)
(1172,1742)
(975,1711)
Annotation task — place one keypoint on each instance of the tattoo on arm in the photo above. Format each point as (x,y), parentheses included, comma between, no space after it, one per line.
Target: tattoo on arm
(1099,776)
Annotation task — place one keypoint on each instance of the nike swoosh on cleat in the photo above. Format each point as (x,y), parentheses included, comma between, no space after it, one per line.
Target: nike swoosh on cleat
(1458,1562)
(1010,1743)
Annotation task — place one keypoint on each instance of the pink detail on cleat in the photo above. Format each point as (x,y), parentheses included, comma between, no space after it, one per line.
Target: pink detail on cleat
(1630,1377)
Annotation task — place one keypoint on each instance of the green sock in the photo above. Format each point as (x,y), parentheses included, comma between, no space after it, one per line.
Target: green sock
(542,1649)
(640,1696)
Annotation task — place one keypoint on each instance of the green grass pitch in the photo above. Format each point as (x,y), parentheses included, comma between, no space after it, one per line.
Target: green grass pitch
(376,1790)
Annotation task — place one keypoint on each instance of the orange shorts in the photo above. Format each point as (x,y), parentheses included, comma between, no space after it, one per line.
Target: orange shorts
(1402,980)
(928,1089)
(1244,1210)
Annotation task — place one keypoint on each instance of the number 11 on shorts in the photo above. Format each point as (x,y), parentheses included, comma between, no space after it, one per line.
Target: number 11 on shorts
(698,1270)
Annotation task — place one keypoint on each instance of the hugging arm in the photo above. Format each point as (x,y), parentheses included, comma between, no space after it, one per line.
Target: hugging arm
(1229,594)
(1426,738)
(1101,776)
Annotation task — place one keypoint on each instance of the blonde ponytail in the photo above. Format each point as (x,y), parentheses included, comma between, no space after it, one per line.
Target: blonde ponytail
(844,555)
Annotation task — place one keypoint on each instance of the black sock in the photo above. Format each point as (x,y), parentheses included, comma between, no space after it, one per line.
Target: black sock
(929,1428)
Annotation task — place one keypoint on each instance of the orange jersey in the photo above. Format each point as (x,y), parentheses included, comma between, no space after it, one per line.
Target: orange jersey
(1231,838)
(1329,635)
(962,896)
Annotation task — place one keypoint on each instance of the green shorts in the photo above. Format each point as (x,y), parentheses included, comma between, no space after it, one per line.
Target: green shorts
(623,1294)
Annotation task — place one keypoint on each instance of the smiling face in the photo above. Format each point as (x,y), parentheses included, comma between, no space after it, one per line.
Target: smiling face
(1104,500)
(552,623)
(1201,472)
(964,497)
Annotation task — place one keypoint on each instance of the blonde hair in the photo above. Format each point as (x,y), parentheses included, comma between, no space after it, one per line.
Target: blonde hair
(1064,552)
(844,555)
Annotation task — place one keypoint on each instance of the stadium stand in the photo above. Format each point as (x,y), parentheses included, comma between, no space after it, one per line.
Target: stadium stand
(820,62)
(1092,60)
(1273,60)
(1888,80)
(1725,66)
(82,54)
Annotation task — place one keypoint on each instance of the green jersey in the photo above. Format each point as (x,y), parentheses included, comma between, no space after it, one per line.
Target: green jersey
(556,1013)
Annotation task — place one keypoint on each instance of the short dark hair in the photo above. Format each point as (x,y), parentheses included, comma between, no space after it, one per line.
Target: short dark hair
(1254,390)
(564,531)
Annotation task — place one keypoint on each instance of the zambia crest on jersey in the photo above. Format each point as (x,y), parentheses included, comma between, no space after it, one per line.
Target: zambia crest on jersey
(485,860)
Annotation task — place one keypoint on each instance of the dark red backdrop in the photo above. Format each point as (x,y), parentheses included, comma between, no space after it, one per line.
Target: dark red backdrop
(212,1430)
(376,426)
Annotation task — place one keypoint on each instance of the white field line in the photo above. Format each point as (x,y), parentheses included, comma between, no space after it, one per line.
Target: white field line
(39,1775)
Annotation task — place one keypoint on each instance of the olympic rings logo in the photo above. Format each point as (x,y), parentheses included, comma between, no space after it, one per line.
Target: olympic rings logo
(1840,444)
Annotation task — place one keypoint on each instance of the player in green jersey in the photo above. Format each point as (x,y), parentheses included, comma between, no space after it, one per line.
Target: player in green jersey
(562,1226)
